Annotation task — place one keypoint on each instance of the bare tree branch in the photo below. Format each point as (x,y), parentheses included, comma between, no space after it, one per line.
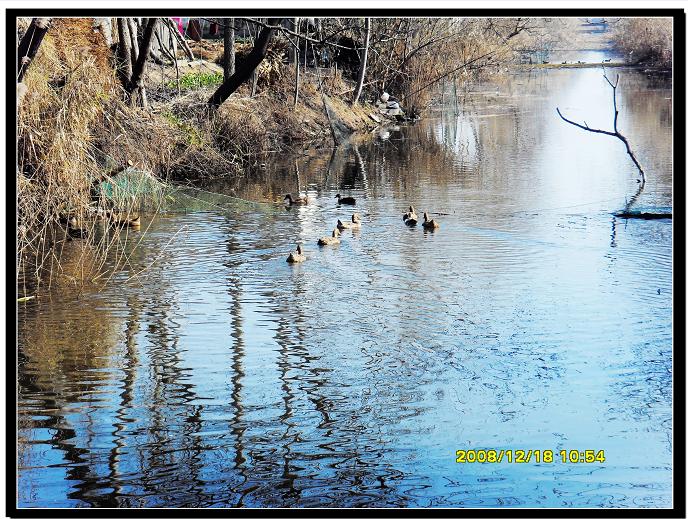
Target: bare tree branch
(362,67)
(323,41)
(173,29)
(615,133)
(247,68)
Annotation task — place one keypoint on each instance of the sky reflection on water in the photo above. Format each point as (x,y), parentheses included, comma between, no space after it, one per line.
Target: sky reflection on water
(531,319)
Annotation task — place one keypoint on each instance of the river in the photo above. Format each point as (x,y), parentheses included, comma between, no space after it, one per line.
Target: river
(208,372)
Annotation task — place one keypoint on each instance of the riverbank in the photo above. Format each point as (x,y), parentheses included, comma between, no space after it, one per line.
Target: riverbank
(71,86)
(616,64)
(77,134)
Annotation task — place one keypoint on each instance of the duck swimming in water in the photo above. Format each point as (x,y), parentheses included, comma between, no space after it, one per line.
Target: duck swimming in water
(409,213)
(301,200)
(355,222)
(410,218)
(341,225)
(119,220)
(429,225)
(345,199)
(330,240)
(296,257)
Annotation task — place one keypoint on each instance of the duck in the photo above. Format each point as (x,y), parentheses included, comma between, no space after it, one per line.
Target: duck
(131,222)
(341,225)
(345,199)
(296,257)
(411,215)
(429,225)
(123,221)
(355,222)
(71,227)
(330,240)
(301,200)
(384,97)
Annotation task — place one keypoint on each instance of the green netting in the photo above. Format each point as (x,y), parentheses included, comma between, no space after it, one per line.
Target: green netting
(132,188)
(189,199)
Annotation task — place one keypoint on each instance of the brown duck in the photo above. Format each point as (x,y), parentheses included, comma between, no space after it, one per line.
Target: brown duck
(296,257)
(124,221)
(341,225)
(429,225)
(330,240)
(301,200)
(410,218)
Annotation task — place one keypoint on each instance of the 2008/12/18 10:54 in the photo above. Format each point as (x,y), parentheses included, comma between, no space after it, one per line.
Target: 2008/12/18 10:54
(530,455)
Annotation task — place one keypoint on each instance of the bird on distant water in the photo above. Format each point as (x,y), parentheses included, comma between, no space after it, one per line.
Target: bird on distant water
(410,218)
(296,257)
(345,199)
(301,200)
(429,225)
(330,240)
(343,225)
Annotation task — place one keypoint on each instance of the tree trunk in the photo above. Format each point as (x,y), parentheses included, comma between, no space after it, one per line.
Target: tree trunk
(134,37)
(254,76)
(250,64)
(28,46)
(174,30)
(123,51)
(296,63)
(362,68)
(229,55)
(135,84)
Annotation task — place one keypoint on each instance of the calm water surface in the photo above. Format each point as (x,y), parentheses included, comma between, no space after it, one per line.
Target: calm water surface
(532,319)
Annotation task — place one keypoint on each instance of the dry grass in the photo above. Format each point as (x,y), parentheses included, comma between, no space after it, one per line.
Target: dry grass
(646,40)
(70,113)
(75,130)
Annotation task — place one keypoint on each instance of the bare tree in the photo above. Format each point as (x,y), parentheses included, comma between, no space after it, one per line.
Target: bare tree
(364,60)
(123,51)
(228,53)
(297,64)
(178,36)
(243,73)
(616,132)
(131,72)
(134,36)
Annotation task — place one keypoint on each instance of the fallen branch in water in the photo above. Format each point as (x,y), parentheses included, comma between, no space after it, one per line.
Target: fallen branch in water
(644,216)
(615,133)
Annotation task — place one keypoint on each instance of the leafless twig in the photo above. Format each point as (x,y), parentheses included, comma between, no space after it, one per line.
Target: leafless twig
(615,133)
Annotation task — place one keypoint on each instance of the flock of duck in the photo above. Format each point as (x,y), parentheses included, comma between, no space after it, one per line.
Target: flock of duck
(410,218)
(113,218)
